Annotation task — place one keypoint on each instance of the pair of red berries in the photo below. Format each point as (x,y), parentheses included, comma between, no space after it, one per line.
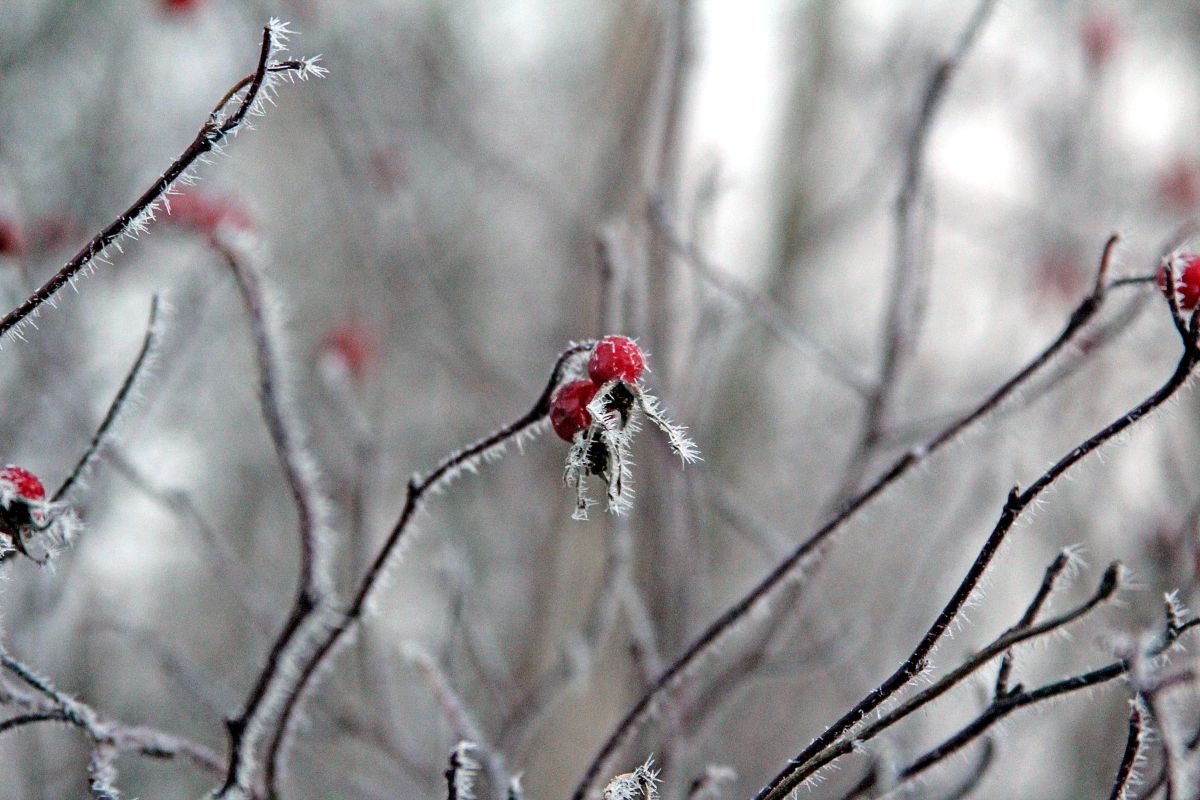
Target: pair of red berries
(614,358)
(1187,280)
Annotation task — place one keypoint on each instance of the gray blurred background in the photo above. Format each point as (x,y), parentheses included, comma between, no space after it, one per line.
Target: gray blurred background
(431,214)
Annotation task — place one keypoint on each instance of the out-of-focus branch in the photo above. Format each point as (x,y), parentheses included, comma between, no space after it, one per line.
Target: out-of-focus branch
(48,704)
(905,297)
(419,486)
(768,313)
(314,591)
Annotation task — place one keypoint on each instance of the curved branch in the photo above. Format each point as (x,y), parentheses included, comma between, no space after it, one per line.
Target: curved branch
(212,135)
(418,488)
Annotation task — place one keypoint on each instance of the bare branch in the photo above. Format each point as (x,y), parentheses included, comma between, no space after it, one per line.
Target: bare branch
(213,134)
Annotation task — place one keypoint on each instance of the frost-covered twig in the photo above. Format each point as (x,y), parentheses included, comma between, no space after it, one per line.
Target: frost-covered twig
(102,772)
(300,633)
(128,392)
(641,784)
(48,704)
(1023,631)
(461,721)
(419,486)
(1133,747)
(215,132)
(460,774)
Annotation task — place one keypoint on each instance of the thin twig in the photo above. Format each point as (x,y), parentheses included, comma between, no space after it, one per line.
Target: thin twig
(904,293)
(1021,632)
(52,705)
(1053,572)
(461,721)
(226,564)
(102,771)
(1133,746)
(103,434)
(760,306)
(214,133)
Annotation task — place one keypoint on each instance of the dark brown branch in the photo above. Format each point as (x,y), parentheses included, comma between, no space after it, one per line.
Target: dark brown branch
(1023,631)
(792,775)
(1053,572)
(1133,745)
(1001,708)
(54,715)
(87,460)
(212,135)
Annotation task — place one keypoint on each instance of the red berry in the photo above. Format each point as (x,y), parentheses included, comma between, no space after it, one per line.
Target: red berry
(1100,34)
(1187,281)
(568,408)
(12,239)
(353,345)
(180,5)
(616,358)
(25,483)
(1179,185)
(206,213)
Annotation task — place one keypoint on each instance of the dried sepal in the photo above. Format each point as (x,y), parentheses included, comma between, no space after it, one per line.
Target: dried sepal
(680,443)
(641,783)
(603,448)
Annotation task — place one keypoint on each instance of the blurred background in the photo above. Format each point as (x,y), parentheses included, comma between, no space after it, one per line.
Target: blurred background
(475,185)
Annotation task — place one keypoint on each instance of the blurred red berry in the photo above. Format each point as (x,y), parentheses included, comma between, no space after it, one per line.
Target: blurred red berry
(353,345)
(1179,185)
(206,214)
(568,408)
(1187,281)
(616,358)
(180,5)
(1099,35)
(1057,275)
(24,483)
(12,239)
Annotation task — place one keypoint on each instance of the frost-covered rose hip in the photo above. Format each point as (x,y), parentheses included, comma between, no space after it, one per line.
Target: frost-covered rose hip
(24,483)
(568,408)
(1187,280)
(22,502)
(616,358)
